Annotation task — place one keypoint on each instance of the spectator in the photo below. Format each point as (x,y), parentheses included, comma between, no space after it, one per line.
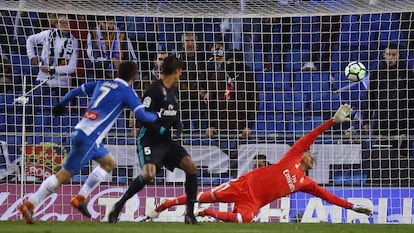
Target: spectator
(156,70)
(192,82)
(329,34)
(155,73)
(52,22)
(275,49)
(59,55)
(142,33)
(106,48)
(239,40)
(79,28)
(6,30)
(6,81)
(216,62)
(232,104)
(259,161)
(390,114)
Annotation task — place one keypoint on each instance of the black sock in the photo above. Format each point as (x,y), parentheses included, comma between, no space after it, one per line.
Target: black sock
(136,186)
(191,191)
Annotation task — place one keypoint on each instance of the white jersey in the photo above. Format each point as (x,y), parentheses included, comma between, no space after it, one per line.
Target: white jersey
(58,51)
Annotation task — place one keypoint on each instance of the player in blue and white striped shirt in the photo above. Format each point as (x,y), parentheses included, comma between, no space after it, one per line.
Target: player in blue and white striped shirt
(108,99)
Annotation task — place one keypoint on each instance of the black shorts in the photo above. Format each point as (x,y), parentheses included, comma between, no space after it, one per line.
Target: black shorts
(161,153)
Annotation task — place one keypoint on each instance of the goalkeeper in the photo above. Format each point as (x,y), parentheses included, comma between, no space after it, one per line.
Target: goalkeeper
(259,187)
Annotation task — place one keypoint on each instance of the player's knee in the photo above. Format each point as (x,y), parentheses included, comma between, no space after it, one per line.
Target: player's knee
(63,176)
(192,169)
(148,177)
(189,166)
(107,163)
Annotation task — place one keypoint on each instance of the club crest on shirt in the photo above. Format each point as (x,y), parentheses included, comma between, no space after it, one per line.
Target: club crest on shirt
(147,102)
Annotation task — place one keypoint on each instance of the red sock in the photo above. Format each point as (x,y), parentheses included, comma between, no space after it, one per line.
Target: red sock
(181,200)
(223,216)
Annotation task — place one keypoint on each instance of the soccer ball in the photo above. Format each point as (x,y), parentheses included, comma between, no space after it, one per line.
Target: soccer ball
(355,71)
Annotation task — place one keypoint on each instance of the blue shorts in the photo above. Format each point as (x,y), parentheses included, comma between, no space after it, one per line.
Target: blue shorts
(82,150)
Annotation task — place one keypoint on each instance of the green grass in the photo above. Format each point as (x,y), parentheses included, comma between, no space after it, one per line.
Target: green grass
(151,227)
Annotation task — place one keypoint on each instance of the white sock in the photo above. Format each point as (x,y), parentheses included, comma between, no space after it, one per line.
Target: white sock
(94,179)
(46,188)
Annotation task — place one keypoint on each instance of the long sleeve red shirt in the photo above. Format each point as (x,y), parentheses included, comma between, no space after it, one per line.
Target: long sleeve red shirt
(285,177)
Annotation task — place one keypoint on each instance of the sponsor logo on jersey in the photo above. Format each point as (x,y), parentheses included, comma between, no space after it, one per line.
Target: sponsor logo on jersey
(165,112)
(289,180)
(91,115)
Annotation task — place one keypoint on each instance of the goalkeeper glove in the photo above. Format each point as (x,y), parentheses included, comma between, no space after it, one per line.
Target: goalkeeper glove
(361,209)
(342,114)
(59,109)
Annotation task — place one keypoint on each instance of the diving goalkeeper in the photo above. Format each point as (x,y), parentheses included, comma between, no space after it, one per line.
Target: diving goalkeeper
(259,187)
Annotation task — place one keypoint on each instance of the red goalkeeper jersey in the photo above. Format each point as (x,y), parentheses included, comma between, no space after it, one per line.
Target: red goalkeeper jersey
(286,176)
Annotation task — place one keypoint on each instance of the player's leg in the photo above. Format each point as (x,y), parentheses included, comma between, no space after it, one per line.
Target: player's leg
(228,216)
(227,194)
(243,212)
(190,168)
(148,172)
(203,197)
(106,163)
(77,154)
(220,215)
(180,158)
(168,203)
(46,188)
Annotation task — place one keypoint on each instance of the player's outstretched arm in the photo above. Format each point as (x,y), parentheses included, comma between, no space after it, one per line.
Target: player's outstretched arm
(316,190)
(86,89)
(305,142)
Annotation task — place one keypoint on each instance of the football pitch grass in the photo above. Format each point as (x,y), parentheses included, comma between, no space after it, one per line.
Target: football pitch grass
(154,227)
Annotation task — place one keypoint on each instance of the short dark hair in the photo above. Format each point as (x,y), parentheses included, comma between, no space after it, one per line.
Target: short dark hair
(62,15)
(127,70)
(188,34)
(392,46)
(260,156)
(110,18)
(170,65)
(218,43)
(100,18)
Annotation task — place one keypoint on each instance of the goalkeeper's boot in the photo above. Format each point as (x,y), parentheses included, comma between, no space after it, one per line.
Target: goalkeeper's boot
(79,202)
(114,213)
(190,219)
(200,211)
(153,213)
(27,209)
